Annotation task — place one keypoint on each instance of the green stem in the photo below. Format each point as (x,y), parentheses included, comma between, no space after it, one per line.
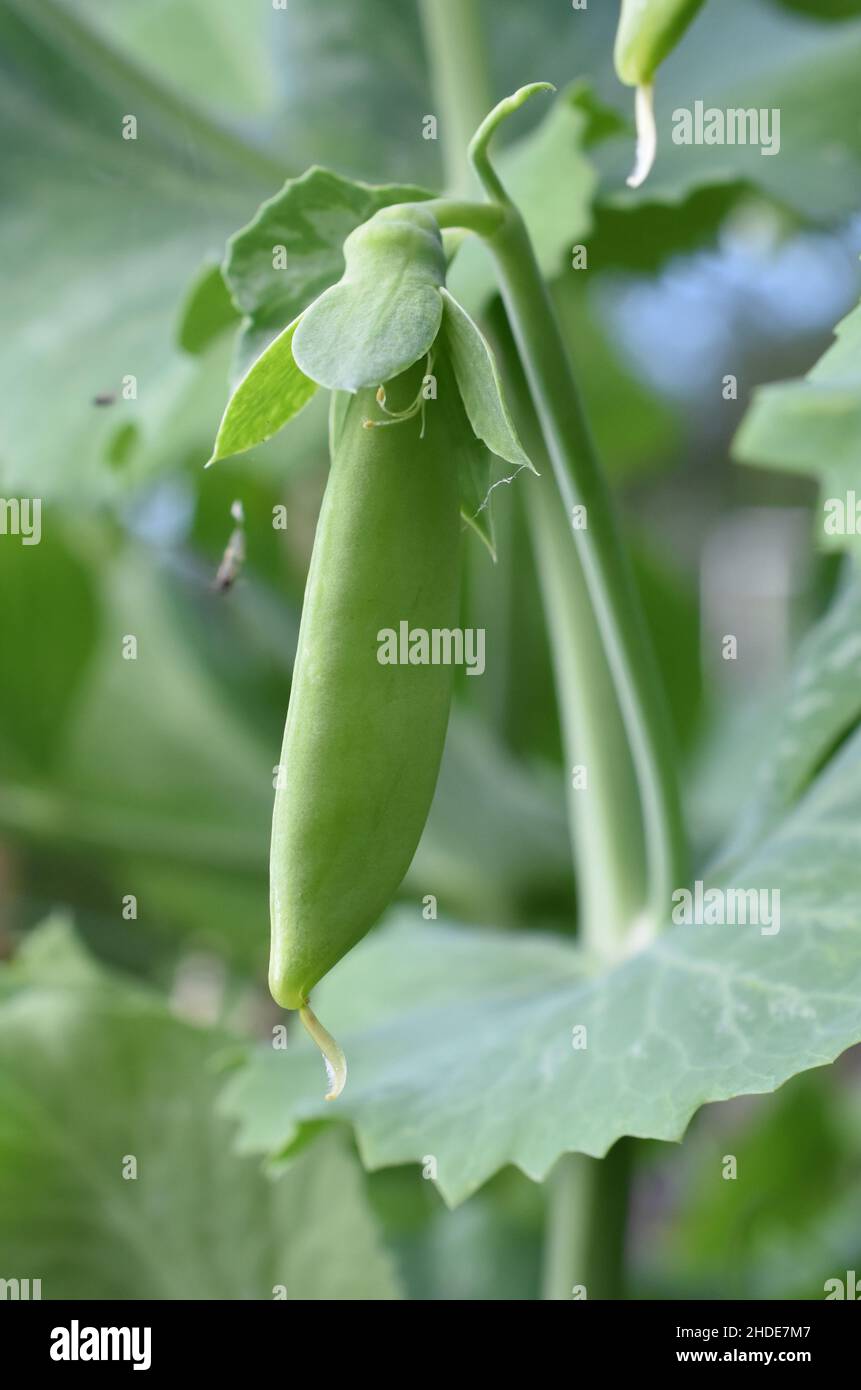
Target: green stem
(606,567)
(485,219)
(605,563)
(454,41)
(577,1215)
(478,145)
(455,45)
(606,838)
(603,816)
(587,1220)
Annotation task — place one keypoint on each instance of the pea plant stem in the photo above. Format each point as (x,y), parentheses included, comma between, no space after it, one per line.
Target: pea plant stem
(581,1253)
(584,490)
(606,567)
(605,564)
(587,1201)
(603,818)
(606,837)
(455,45)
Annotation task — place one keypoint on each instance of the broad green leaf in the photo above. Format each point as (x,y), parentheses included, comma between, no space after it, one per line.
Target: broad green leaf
(207,311)
(810,426)
(218,52)
(814,426)
(820,709)
(385,311)
(460,1042)
(137,216)
(272,391)
(96,1073)
(310,218)
(480,384)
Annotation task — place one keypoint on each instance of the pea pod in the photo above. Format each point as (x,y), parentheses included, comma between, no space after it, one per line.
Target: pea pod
(363,740)
(648,32)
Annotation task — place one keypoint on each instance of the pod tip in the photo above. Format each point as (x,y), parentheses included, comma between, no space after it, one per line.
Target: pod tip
(647,135)
(333,1055)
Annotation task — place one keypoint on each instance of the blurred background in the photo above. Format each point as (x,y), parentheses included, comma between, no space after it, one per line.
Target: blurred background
(135,797)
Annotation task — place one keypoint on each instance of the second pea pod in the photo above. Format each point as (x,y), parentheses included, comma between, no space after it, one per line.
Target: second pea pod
(648,32)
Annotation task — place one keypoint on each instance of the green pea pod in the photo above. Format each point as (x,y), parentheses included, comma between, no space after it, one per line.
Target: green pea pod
(648,32)
(363,740)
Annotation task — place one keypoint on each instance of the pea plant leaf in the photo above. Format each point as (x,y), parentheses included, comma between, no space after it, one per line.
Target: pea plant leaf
(486,1048)
(820,710)
(218,53)
(547,171)
(813,426)
(98,1076)
(460,1042)
(292,250)
(470,386)
(472,460)
(138,216)
(272,391)
(480,384)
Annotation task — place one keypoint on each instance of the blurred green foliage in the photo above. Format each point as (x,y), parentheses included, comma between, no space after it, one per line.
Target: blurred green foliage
(153,777)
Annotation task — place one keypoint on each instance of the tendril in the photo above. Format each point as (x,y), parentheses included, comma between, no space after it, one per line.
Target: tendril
(397,417)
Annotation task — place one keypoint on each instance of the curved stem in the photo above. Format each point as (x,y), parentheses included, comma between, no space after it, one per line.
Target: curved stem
(478,145)
(485,219)
(333,1056)
(586,495)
